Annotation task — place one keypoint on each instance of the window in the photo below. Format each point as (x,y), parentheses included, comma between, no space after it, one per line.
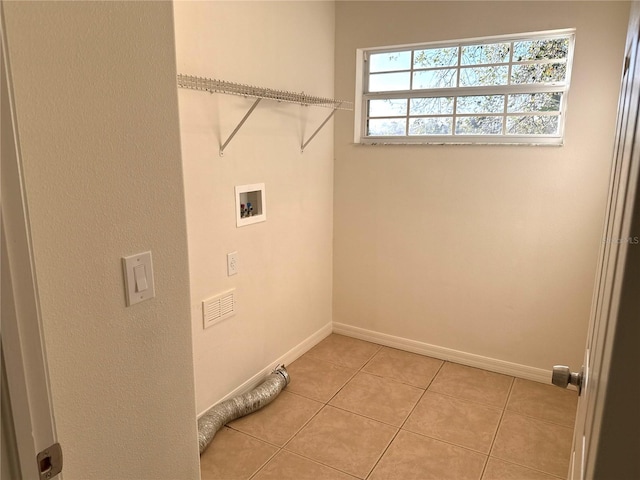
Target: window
(489,90)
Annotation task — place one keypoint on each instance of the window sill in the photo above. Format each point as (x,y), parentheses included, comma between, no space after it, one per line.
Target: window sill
(467,140)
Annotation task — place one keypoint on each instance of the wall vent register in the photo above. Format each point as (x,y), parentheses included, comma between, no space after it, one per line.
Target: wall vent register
(218,308)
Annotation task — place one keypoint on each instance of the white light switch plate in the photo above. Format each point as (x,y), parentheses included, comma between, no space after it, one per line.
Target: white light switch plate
(138,278)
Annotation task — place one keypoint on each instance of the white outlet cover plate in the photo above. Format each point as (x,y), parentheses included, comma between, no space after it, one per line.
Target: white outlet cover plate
(232,263)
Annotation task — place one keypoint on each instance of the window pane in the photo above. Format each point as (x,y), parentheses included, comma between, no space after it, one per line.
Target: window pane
(442,78)
(386,127)
(386,82)
(430,126)
(481,104)
(435,57)
(491,53)
(479,126)
(387,107)
(431,106)
(484,90)
(533,125)
(539,73)
(386,62)
(540,49)
(481,76)
(534,102)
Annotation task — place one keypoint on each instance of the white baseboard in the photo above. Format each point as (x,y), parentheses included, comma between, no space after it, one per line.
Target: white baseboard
(285,359)
(442,353)
(464,358)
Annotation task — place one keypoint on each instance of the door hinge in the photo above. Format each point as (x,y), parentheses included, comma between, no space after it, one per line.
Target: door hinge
(50,462)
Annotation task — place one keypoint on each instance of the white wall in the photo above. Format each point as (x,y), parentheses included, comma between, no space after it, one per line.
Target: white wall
(97,114)
(487,250)
(284,284)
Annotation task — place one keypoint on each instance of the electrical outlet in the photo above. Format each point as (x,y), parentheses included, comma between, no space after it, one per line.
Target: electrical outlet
(232,263)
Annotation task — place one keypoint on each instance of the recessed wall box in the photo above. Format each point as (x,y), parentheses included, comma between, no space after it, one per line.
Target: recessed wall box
(250,204)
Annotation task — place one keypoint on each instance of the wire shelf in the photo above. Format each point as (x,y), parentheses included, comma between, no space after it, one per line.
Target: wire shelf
(212,85)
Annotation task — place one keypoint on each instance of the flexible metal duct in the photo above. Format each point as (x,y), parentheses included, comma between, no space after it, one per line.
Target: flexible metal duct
(239,406)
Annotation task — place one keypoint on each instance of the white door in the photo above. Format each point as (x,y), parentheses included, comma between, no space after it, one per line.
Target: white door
(23,354)
(617,239)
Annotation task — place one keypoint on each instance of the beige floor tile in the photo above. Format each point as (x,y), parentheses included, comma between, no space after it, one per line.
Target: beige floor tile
(405,367)
(317,379)
(288,466)
(414,457)
(546,402)
(472,384)
(343,440)
(454,420)
(533,443)
(234,456)
(279,421)
(345,351)
(498,470)
(379,398)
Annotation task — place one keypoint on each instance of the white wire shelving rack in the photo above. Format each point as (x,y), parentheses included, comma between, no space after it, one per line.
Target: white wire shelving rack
(211,85)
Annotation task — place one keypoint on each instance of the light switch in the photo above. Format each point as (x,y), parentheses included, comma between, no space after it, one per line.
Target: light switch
(138,277)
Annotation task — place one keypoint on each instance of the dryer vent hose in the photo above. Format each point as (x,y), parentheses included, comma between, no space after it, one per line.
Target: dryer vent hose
(241,405)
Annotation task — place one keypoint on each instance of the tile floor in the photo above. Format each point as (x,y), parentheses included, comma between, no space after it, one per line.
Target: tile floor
(355,409)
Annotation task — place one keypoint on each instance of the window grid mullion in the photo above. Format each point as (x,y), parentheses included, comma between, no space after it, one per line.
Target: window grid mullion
(458,91)
(454,118)
(468,91)
(412,66)
(506,96)
(408,114)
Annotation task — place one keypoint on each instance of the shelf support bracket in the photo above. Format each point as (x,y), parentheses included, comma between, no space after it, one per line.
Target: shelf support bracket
(304,144)
(244,119)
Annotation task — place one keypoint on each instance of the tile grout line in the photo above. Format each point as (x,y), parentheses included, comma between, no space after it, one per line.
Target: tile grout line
(538,419)
(304,456)
(495,435)
(464,399)
(360,370)
(485,405)
(448,442)
(422,396)
(403,423)
(375,464)
(292,436)
(261,467)
(311,354)
(305,424)
(326,404)
(394,435)
(534,417)
(511,462)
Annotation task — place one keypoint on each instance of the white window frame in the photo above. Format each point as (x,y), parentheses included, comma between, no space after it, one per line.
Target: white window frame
(362,95)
